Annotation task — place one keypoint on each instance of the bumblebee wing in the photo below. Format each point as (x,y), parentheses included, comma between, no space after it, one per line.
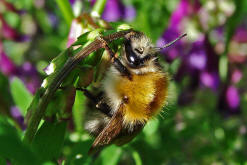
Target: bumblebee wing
(126,136)
(109,133)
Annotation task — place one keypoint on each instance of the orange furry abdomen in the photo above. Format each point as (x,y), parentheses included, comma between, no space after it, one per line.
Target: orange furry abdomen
(146,94)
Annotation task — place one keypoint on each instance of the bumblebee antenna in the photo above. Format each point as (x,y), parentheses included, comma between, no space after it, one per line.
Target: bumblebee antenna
(172,42)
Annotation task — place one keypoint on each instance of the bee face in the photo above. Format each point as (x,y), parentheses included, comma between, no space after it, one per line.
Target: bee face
(138,51)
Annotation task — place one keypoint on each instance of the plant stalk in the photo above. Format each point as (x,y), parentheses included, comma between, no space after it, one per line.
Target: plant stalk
(71,63)
(98,7)
(66,10)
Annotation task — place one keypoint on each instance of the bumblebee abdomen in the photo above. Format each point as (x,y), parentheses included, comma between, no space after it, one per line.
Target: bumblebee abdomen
(146,95)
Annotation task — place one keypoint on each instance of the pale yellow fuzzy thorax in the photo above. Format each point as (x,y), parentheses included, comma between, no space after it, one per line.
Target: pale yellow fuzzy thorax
(146,95)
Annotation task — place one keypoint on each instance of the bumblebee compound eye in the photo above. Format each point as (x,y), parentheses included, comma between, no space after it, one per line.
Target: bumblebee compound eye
(134,60)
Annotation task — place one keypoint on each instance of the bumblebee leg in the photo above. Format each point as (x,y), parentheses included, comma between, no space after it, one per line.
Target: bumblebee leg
(116,62)
(103,107)
(98,101)
(89,95)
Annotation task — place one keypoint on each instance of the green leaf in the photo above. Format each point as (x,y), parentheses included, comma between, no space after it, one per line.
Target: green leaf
(5,97)
(79,154)
(2,161)
(88,36)
(119,26)
(151,127)
(49,140)
(12,148)
(56,64)
(56,104)
(110,155)
(137,158)
(12,19)
(22,97)
(82,39)
(24,4)
(148,16)
(42,19)
(78,110)
(34,103)
(66,10)
(98,7)
(223,67)
(48,163)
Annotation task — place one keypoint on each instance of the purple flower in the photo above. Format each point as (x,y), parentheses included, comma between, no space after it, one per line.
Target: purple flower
(240,35)
(15,113)
(236,76)
(115,10)
(197,58)
(182,10)
(210,79)
(27,72)
(232,97)
(8,32)
(72,2)
(229,100)
(6,65)
(200,58)
(53,19)
(29,75)
(129,13)
(201,63)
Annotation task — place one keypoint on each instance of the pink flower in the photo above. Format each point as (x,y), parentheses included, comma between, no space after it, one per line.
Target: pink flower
(232,97)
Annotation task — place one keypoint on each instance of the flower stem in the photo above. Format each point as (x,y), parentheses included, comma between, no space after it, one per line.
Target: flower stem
(98,7)
(44,101)
(71,63)
(66,9)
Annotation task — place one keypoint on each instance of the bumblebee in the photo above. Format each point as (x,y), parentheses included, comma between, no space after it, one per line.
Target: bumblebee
(133,91)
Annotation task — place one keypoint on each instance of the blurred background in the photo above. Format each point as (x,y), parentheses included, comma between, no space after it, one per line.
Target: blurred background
(205,120)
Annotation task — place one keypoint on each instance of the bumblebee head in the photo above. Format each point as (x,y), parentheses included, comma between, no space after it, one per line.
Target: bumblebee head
(138,50)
